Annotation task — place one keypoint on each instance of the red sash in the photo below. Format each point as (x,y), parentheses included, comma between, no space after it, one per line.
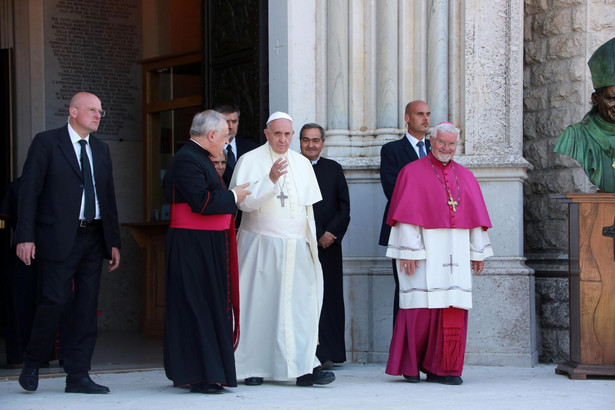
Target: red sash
(452,332)
(182,217)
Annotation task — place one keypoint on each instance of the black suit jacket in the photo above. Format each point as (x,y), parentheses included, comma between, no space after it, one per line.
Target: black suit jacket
(51,190)
(394,156)
(243,146)
(332,214)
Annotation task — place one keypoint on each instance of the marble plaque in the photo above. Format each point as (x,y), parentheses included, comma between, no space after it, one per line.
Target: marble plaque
(94,46)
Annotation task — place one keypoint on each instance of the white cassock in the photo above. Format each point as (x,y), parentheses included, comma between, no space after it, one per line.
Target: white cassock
(444,275)
(280,277)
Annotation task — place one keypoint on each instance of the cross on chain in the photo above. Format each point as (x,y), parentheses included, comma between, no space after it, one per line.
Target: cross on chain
(452,203)
(282,197)
(451,264)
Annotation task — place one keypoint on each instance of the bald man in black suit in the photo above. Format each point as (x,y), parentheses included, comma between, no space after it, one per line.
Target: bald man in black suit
(394,156)
(68,221)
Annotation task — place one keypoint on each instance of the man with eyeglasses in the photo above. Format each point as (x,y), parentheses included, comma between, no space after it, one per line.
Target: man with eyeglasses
(68,221)
(332,216)
(439,223)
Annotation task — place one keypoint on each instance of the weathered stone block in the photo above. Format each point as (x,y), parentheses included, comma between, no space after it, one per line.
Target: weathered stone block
(565,46)
(581,181)
(553,122)
(527,28)
(546,234)
(555,315)
(558,4)
(564,94)
(544,208)
(555,23)
(601,17)
(553,289)
(535,6)
(536,153)
(555,345)
(579,19)
(577,70)
(535,99)
(527,77)
(529,126)
(535,52)
(548,73)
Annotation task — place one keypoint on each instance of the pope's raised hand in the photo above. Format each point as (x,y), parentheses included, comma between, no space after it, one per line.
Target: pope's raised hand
(278,169)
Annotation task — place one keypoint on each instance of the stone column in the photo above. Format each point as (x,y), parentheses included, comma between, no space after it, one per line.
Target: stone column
(437,60)
(387,70)
(502,327)
(337,64)
(292,61)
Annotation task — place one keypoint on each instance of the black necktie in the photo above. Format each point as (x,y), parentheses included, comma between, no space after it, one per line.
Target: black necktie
(421,150)
(230,156)
(89,209)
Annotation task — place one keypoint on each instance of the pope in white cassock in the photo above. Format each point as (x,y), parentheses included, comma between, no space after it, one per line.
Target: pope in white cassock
(280,277)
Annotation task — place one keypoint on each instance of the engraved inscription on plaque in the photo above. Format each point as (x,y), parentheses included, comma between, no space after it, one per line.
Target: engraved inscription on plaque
(94,47)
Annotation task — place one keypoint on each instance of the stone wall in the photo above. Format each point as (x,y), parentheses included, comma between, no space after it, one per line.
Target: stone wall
(560,36)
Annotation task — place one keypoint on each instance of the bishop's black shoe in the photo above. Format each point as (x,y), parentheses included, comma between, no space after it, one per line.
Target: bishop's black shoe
(412,379)
(85,385)
(253,381)
(28,379)
(451,380)
(316,377)
(206,388)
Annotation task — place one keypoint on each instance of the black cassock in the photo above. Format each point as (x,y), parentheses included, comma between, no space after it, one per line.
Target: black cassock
(332,214)
(198,338)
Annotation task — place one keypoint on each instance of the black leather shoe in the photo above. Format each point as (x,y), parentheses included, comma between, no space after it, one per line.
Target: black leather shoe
(206,388)
(322,377)
(253,381)
(28,379)
(451,380)
(85,385)
(412,379)
(317,377)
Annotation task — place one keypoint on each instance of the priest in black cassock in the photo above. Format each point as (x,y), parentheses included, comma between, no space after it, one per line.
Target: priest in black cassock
(332,216)
(202,297)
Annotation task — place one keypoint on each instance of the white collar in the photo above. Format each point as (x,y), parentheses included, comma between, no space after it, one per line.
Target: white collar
(413,140)
(74,137)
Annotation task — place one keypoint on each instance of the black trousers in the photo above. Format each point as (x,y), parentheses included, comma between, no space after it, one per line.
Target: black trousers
(69,290)
(22,294)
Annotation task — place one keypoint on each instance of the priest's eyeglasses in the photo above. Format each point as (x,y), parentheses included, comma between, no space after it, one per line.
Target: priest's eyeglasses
(93,111)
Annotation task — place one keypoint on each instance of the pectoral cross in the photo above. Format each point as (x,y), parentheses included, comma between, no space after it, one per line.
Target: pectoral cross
(451,264)
(452,203)
(610,231)
(282,197)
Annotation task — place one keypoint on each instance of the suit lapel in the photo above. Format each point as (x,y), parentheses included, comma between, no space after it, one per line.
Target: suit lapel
(408,149)
(66,146)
